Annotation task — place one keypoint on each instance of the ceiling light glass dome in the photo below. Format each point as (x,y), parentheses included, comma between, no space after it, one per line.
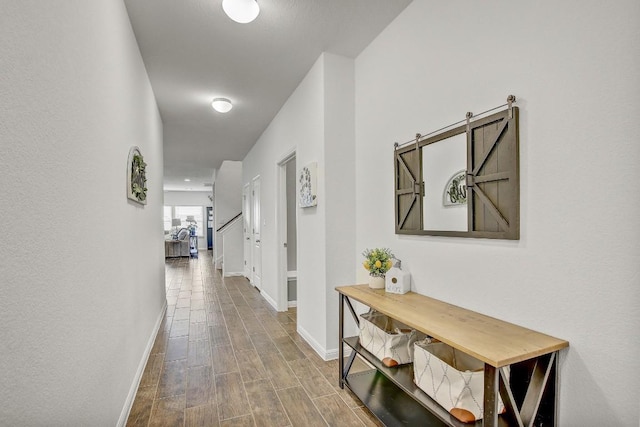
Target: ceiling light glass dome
(221,105)
(242,11)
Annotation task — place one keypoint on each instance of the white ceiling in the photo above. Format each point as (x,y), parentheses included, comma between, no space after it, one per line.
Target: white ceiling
(193,52)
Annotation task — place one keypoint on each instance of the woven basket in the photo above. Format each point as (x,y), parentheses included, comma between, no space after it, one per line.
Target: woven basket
(452,378)
(387,339)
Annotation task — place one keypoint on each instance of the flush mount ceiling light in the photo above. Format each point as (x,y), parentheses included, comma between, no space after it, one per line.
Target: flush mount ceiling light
(241,11)
(221,105)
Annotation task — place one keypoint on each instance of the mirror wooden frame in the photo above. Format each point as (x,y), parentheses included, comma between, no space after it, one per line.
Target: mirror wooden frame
(493,179)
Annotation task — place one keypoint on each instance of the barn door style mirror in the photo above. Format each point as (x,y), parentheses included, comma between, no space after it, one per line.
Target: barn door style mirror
(461,182)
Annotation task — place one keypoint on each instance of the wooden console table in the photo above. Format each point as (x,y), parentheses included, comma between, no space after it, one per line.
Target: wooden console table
(528,393)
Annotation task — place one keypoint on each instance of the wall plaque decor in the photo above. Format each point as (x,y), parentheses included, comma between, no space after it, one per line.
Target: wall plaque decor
(136,177)
(455,191)
(308,186)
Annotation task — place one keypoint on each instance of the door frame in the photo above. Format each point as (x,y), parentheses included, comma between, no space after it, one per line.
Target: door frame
(248,257)
(255,179)
(281,228)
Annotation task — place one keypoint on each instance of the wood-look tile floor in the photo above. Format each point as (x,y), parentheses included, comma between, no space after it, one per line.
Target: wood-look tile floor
(224,357)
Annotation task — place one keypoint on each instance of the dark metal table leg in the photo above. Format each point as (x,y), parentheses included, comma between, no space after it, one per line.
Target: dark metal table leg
(491,381)
(341,341)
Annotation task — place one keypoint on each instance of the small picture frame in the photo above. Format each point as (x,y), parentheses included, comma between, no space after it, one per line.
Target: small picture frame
(308,193)
(136,177)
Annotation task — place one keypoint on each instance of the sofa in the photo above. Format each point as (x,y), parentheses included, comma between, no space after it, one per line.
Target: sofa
(179,246)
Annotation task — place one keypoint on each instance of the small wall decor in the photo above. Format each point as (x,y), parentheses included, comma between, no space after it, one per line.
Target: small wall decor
(136,177)
(455,192)
(308,185)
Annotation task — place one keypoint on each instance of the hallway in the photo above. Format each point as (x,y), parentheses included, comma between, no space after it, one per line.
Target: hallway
(225,357)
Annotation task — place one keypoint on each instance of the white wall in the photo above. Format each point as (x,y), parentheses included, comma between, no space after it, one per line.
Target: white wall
(575,273)
(340,156)
(82,269)
(227,200)
(305,124)
(187,198)
(233,249)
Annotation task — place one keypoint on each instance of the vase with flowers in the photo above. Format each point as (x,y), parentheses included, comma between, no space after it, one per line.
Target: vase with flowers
(377,262)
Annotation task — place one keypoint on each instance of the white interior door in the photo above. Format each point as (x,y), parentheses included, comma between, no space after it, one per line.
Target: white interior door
(256,239)
(246,230)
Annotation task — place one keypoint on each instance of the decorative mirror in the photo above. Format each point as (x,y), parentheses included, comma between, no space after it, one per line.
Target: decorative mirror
(462,182)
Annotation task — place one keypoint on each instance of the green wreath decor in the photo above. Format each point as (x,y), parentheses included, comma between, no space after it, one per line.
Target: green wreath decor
(138,178)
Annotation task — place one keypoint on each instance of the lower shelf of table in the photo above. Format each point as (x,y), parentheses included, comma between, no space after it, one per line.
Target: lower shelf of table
(391,395)
(388,403)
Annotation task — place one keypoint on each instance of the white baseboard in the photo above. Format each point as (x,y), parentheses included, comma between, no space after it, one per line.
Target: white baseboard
(269,299)
(124,415)
(292,303)
(322,352)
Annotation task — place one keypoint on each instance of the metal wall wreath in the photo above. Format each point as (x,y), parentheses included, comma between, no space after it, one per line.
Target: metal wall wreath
(136,177)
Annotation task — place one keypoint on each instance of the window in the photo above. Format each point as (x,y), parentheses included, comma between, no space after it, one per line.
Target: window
(182,212)
(196,211)
(166,218)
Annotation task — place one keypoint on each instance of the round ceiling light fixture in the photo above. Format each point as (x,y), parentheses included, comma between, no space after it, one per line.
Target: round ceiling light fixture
(241,11)
(221,105)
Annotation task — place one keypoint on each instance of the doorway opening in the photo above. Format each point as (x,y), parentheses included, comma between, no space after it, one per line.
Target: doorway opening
(287,233)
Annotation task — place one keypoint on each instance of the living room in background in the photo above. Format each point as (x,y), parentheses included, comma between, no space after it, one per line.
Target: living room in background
(181,212)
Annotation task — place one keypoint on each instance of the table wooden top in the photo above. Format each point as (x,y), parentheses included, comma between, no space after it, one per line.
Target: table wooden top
(491,340)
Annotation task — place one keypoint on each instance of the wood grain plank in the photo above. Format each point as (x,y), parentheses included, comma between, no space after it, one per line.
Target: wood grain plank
(224,360)
(263,343)
(244,421)
(141,409)
(240,339)
(272,326)
(199,353)
(288,349)
(278,371)
(180,328)
(335,412)
(198,316)
(181,313)
(251,368)
(300,409)
(198,331)
(168,412)
(265,405)
(152,371)
(173,379)
(177,349)
(311,379)
(200,387)
(219,336)
(233,399)
(201,416)
(491,340)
